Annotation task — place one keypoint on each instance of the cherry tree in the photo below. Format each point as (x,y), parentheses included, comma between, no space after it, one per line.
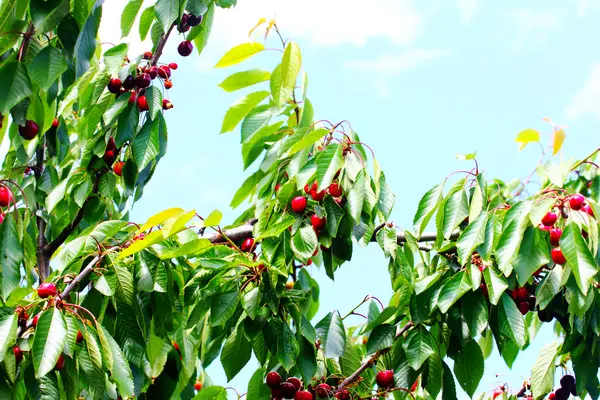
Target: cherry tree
(97,306)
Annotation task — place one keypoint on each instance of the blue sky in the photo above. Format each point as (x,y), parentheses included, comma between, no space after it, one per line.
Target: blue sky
(420,81)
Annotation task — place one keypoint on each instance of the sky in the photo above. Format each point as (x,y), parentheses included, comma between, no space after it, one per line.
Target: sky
(420,81)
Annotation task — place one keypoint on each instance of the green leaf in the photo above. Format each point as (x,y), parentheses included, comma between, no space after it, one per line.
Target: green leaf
(513,228)
(510,320)
(542,373)
(145,145)
(11,255)
(579,257)
(85,47)
(212,393)
(48,342)
(453,290)
(304,243)
(474,309)
(309,138)
(128,16)
(121,372)
(549,286)
(257,390)
(471,237)
(146,20)
(240,109)
(254,145)
(200,33)
(456,209)
(47,66)
(332,334)
(115,109)
(290,67)
(241,80)
(240,53)
(418,347)
(387,198)
(8,332)
(356,197)
(223,307)
(448,386)
(236,353)
(381,338)
(16,85)
(469,367)
(226,3)
(247,188)
(533,254)
(155,99)
(214,218)
(427,207)
(167,12)
(287,348)
(329,161)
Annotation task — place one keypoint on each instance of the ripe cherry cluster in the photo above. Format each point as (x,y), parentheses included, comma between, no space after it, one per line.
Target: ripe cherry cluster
(567,388)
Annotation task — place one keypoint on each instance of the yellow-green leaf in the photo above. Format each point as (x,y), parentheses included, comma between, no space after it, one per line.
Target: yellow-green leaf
(240,109)
(214,218)
(141,244)
(161,217)
(557,140)
(239,54)
(243,79)
(290,67)
(527,136)
(177,223)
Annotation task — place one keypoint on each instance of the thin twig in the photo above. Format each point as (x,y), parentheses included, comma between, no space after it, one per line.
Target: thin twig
(89,268)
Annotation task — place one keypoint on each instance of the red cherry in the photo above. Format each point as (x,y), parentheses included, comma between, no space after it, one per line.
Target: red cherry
(2,218)
(164,72)
(288,390)
(484,290)
(142,103)
(549,219)
(166,104)
(6,196)
(277,187)
(588,210)
(29,130)
(109,157)
(317,196)
(523,307)
(168,84)
(522,293)
(193,20)
(114,85)
(343,394)
(414,387)
(497,392)
(514,294)
(198,385)
(132,98)
(318,223)
(153,72)
(551,396)
(273,380)
(173,65)
(128,83)
(335,190)
(309,189)
(324,390)
(18,354)
(46,289)
(79,337)
(299,204)
(576,202)
(295,381)
(143,80)
(147,55)
(385,379)
(111,145)
(247,245)
(60,363)
(118,168)
(557,256)
(303,395)
(176,346)
(555,235)
(55,123)
(185,48)
(276,393)
(35,320)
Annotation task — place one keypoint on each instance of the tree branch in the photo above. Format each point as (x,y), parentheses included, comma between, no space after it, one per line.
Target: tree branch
(62,236)
(161,45)
(84,272)
(25,43)
(245,231)
(371,361)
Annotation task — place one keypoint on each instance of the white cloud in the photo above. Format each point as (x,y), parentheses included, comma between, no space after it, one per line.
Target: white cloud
(533,27)
(389,65)
(394,63)
(467,9)
(323,23)
(587,99)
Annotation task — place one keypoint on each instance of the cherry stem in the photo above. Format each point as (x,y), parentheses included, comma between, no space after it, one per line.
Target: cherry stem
(586,158)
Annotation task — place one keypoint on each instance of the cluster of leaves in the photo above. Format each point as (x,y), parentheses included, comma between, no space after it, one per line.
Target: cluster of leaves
(157,304)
